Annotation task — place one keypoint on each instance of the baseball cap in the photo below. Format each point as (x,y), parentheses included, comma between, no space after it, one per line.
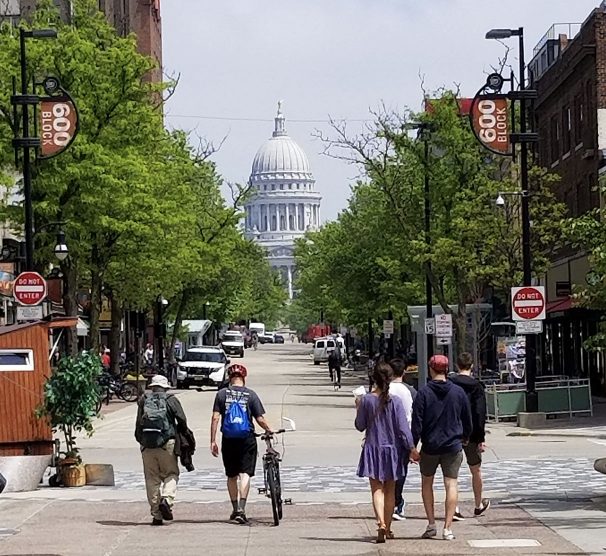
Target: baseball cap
(439,363)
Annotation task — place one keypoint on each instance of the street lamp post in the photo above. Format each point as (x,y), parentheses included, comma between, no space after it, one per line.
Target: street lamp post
(427,213)
(532,404)
(161,303)
(204,317)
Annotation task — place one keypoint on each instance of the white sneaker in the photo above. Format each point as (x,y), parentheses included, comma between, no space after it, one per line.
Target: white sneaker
(448,535)
(399,516)
(430,532)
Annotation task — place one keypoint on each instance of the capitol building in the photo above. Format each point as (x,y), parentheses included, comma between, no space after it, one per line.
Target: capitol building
(284,203)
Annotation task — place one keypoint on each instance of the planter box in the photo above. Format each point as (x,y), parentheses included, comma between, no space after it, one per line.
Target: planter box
(23,473)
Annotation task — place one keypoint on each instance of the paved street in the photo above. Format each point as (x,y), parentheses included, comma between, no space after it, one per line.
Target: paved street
(545,490)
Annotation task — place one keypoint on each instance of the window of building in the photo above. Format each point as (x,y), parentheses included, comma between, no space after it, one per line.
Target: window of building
(282,222)
(274,223)
(273,187)
(566,129)
(554,138)
(12,360)
(281,186)
(290,186)
(579,116)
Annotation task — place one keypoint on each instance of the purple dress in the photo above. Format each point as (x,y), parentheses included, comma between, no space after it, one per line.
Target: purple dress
(388,438)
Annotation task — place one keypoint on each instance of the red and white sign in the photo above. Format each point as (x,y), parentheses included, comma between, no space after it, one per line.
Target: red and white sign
(528,303)
(490,122)
(58,125)
(30,288)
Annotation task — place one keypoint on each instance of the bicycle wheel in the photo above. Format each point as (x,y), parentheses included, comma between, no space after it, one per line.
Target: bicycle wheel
(128,392)
(273,485)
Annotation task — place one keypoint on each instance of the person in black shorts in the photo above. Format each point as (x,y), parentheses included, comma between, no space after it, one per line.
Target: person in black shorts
(239,452)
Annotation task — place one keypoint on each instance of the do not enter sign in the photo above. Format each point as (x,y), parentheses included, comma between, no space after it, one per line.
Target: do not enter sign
(528,303)
(30,288)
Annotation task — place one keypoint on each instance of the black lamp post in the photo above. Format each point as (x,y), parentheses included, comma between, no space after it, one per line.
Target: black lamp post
(532,402)
(161,303)
(204,313)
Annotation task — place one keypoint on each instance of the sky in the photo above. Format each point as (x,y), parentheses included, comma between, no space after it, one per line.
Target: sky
(340,58)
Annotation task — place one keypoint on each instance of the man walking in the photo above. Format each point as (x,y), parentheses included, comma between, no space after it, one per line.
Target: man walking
(474,449)
(400,389)
(159,417)
(441,420)
(334,365)
(236,406)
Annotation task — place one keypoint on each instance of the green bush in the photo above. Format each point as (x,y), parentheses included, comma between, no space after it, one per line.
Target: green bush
(71,394)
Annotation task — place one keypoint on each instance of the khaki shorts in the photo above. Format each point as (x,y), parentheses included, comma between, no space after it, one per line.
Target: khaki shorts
(450,464)
(472,454)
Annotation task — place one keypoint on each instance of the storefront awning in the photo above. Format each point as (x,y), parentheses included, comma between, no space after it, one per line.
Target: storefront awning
(559,305)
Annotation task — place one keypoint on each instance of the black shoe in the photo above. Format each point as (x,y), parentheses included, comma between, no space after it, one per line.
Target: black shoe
(157,521)
(485,505)
(233,515)
(165,510)
(241,518)
(458,516)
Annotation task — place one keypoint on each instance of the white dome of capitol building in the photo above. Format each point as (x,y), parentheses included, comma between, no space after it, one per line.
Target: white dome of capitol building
(284,203)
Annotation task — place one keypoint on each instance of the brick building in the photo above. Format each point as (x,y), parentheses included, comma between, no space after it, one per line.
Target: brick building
(568,71)
(141,17)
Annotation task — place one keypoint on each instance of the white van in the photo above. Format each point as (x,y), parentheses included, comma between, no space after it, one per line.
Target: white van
(323,346)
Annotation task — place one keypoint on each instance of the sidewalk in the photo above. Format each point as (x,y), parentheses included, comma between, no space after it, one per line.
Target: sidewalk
(122,529)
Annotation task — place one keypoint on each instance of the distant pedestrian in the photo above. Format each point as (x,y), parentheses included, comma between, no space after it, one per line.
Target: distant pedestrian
(236,406)
(401,390)
(387,443)
(159,417)
(334,365)
(474,449)
(441,420)
(148,355)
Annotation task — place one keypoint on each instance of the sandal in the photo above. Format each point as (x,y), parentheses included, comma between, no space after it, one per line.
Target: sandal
(381,534)
(389,535)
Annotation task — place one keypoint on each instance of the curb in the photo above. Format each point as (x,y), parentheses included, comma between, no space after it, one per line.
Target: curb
(557,434)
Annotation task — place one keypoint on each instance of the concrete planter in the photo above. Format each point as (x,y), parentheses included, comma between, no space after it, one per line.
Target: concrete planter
(23,473)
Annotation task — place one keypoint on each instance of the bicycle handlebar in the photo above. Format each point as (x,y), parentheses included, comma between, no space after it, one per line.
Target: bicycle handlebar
(266,434)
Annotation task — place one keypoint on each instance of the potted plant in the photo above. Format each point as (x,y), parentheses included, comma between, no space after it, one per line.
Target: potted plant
(71,394)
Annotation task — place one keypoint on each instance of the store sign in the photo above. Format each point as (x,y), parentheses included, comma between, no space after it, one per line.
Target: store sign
(490,122)
(58,125)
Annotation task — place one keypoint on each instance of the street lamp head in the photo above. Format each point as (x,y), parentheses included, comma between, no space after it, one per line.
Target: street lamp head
(61,250)
(207,303)
(44,34)
(500,202)
(164,301)
(500,33)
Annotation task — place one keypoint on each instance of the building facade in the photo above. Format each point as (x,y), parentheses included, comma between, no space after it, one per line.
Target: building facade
(285,203)
(141,17)
(568,71)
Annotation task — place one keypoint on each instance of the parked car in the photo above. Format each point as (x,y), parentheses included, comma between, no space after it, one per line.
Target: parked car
(278,339)
(203,366)
(233,343)
(266,338)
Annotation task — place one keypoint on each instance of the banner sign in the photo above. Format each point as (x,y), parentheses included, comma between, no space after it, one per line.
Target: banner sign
(58,125)
(490,121)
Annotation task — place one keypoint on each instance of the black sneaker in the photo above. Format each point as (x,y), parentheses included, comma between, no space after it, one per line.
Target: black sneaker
(165,510)
(458,516)
(241,518)
(234,515)
(485,505)
(156,522)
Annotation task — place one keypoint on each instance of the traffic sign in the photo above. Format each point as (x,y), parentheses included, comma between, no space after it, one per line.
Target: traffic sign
(528,303)
(430,326)
(446,341)
(388,327)
(444,325)
(29,288)
(34,312)
(529,327)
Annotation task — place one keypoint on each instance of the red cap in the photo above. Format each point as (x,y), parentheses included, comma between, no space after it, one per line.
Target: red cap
(237,370)
(439,363)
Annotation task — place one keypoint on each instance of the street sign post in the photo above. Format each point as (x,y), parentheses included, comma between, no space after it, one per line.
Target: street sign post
(446,341)
(388,327)
(444,325)
(430,326)
(528,303)
(29,289)
(529,327)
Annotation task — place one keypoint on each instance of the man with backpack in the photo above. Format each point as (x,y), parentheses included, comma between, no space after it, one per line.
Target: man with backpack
(334,364)
(236,406)
(159,417)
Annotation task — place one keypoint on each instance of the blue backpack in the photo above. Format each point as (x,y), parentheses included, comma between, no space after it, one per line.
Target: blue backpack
(235,422)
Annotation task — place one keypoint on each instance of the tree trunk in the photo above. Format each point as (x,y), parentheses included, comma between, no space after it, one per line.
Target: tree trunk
(95,309)
(114,334)
(70,304)
(177,325)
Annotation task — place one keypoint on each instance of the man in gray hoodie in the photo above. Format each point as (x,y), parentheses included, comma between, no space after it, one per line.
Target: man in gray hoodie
(441,420)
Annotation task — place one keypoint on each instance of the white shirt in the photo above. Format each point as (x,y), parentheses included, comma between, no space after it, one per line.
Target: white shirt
(400,390)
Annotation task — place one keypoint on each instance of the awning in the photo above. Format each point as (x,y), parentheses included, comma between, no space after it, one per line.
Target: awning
(559,305)
(82,328)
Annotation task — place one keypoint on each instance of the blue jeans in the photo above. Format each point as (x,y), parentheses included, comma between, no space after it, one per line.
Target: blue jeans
(400,502)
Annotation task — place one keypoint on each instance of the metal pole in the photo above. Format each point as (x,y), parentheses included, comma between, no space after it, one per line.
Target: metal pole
(160,333)
(390,340)
(27,168)
(532,404)
(428,292)
(371,352)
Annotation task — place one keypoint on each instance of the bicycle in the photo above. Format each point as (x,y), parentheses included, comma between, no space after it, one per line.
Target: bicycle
(112,386)
(271,472)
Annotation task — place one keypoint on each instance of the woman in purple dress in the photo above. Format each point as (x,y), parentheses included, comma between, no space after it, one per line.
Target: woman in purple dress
(386,447)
